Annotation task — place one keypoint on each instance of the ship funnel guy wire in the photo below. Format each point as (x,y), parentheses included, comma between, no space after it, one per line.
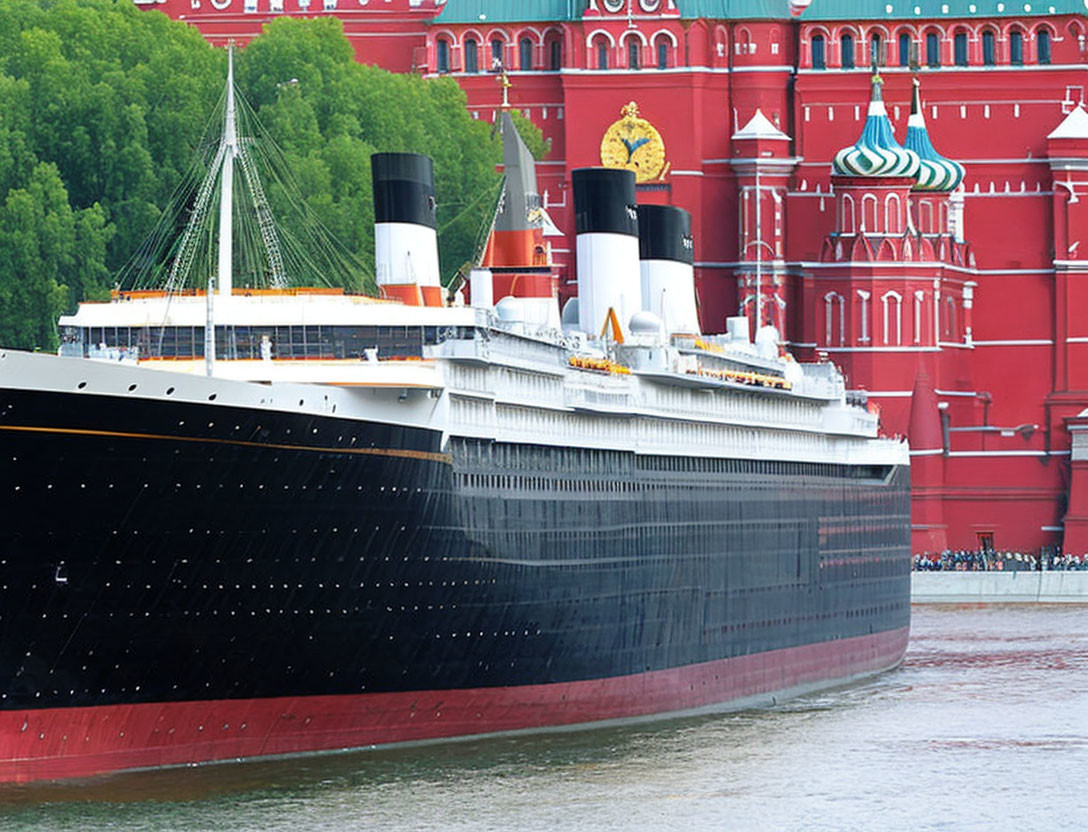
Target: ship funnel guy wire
(232,147)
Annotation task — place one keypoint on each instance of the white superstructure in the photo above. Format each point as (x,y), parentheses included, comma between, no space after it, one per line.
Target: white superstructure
(473,374)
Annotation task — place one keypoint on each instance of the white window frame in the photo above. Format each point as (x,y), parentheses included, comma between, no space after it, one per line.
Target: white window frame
(886,299)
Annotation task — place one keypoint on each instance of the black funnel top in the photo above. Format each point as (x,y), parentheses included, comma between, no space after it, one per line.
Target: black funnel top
(604,201)
(403,188)
(664,233)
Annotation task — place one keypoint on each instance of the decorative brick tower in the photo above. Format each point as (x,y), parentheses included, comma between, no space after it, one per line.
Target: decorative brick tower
(890,295)
(763,167)
(868,261)
(1067,147)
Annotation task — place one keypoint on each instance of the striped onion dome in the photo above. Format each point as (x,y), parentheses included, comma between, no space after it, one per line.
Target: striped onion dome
(936,173)
(876,153)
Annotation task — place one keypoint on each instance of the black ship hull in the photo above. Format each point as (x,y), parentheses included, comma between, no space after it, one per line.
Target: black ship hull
(186,582)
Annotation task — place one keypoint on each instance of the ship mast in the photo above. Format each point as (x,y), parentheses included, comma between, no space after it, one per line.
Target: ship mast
(229,146)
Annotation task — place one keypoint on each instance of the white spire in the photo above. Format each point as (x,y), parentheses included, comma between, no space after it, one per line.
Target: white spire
(760,127)
(226,193)
(1075,125)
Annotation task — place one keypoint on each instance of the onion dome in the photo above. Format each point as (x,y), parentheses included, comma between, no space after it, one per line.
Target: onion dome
(876,153)
(936,173)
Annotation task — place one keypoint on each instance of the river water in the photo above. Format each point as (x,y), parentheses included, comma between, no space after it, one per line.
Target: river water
(984,727)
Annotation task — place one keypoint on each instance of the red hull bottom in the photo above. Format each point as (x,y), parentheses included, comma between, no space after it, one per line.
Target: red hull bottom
(61,743)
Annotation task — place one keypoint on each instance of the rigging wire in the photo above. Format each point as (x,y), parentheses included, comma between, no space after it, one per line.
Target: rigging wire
(279,240)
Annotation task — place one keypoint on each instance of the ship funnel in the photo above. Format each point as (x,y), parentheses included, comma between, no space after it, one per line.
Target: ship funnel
(667,253)
(516,253)
(606,222)
(405,240)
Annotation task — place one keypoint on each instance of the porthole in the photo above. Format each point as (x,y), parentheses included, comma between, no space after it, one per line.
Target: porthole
(131,387)
(169,391)
(213,397)
(81,385)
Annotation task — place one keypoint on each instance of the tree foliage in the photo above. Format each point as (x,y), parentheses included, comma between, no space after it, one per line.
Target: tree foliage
(102,109)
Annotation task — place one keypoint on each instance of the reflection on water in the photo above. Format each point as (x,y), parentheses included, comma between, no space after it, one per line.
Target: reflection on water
(984,727)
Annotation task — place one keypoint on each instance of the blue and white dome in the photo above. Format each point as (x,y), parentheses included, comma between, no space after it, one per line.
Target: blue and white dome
(876,153)
(935,173)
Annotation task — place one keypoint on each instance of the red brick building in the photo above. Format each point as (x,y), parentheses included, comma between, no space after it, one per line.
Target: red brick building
(962,314)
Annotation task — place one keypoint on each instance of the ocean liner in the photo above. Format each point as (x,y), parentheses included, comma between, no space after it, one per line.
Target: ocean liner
(242,522)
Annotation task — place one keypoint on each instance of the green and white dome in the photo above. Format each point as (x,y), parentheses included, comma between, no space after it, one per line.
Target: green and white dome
(876,152)
(935,173)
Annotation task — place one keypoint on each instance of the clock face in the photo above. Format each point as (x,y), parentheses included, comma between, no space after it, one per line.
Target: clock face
(614,5)
(634,144)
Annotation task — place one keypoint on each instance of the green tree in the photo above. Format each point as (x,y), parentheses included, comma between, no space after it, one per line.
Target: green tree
(353,109)
(40,239)
(104,106)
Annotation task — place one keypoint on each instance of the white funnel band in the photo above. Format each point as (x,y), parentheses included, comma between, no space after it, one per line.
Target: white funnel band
(608,277)
(668,290)
(405,253)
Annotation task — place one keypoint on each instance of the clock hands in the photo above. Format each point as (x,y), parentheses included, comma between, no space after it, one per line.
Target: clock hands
(632,146)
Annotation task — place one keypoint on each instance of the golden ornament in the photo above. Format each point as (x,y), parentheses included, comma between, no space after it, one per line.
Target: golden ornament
(633,143)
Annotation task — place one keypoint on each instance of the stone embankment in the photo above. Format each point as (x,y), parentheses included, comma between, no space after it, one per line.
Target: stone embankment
(1050,587)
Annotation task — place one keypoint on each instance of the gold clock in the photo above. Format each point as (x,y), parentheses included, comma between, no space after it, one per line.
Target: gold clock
(633,143)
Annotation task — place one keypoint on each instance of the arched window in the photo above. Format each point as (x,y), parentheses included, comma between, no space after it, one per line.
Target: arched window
(847,44)
(442,55)
(662,54)
(863,316)
(633,47)
(950,323)
(525,54)
(847,221)
(959,48)
(988,52)
(472,55)
(891,214)
(933,50)
(556,51)
(1042,46)
(925,217)
(1016,48)
(893,318)
(919,305)
(834,319)
(868,213)
(876,50)
(497,59)
(819,58)
(904,48)
(601,45)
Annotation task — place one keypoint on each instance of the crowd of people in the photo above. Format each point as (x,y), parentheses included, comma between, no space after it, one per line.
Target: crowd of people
(987,560)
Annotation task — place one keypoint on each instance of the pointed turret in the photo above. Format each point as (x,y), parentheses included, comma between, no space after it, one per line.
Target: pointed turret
(935,172)
(924,431)
(929,531)
(876,152)
(1074,126)
(516,267)
(517,237)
